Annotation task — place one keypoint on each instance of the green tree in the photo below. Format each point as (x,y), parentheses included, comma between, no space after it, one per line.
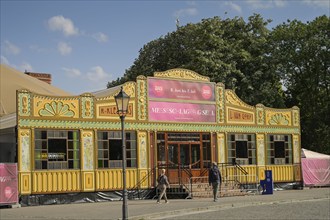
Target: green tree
(301,52)
(256,63)
(230,51)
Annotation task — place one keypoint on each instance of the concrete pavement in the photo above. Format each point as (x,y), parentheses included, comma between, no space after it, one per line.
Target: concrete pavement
(149,209)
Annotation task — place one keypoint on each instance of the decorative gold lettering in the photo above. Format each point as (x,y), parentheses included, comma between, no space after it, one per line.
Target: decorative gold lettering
(111,110)
(240,116)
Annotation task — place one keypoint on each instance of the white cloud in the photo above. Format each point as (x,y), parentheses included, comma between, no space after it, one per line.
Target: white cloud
(60,23)
(38,48)
(280,3)
(100,37)
(97,74)
(266,4)
(318,3)
(71,72)
(10,48)
(185,12)
(4,60)
(25,66)
(64,48)
(191,3)
(234,6)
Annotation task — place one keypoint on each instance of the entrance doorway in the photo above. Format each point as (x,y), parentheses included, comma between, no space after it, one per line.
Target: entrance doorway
(183,155)
(184,161)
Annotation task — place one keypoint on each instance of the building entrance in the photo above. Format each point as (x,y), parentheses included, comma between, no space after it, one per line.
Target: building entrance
(183,155)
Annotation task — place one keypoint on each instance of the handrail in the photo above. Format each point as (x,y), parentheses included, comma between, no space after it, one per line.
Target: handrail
(241,168)
(138,184)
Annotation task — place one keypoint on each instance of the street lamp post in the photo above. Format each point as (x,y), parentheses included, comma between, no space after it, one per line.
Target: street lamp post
(122,100)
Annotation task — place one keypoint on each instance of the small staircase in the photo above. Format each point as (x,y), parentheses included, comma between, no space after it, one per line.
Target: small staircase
(227,188)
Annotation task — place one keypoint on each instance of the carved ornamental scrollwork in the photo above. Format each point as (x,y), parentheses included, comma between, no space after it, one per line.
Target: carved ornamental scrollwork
(221,147)
(279,119)
(182,74)
(24,103)
(143,155)
(232,98)
(261,149)
(260,114)
(296,116)
(220,88)
(129,89)
(87,141)
(296,149)
(87,107)
(56,109)
(142,97)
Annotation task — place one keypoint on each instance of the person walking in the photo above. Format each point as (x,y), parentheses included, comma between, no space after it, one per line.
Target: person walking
(215,180)
(162,185)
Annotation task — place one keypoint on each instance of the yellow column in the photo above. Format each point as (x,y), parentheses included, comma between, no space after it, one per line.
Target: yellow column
(221,148)
(87,157)
(261,155)
(25,161)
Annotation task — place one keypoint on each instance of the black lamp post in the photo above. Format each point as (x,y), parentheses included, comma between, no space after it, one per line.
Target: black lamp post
(122,100)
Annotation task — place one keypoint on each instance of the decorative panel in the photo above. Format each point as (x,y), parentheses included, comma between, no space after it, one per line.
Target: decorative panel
(261,173)
(87,106)
(181,74)
(295,116)
(54,181)
(24,150)
(278,118)
(231,172)
(297,170)
(143,155)
(221,147)
(88,151)
(296,149)
(24,103)
(88,183)
(282,173)
(57,108)
(24,183)
(142,97)
(261,149)
(143,174)
(220,102)
(232,99)
(112,179)
(260,114)
(239,116)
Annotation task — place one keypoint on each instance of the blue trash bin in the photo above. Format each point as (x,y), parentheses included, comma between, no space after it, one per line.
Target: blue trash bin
(267,184)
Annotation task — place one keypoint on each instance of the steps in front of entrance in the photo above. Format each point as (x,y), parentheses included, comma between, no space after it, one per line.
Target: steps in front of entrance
(203,190)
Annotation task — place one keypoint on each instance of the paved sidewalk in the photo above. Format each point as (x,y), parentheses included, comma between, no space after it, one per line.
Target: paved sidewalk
(149,209)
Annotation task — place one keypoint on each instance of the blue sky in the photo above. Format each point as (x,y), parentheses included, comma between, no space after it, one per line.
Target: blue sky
(85,44)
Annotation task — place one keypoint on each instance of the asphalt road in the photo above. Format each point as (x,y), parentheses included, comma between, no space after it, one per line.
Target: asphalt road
(312,209)
(287,204)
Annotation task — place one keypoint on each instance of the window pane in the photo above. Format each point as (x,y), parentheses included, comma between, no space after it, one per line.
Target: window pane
(241,149)
(56,148)
(115,150)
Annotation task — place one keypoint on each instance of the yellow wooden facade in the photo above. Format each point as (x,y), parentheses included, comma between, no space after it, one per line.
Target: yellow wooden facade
(89,114)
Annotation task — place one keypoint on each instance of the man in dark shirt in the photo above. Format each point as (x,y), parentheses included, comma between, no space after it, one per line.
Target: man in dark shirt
(215,180)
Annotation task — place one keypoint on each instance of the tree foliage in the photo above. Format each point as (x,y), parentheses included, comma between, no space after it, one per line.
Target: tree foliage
(255,62)
(230,51)
(302,55)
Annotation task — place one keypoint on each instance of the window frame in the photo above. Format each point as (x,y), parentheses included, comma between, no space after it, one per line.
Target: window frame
(250,139)
(288,149)
(46,159)
(104,139)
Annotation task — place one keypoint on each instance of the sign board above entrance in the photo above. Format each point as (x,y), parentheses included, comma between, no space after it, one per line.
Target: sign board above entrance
(181,101)
(181,112)
(174,89)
